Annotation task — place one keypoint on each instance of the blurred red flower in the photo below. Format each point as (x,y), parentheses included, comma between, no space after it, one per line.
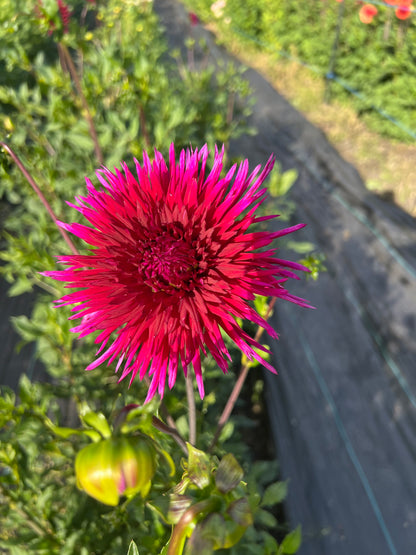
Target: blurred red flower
(403,12)
(193,18)
(367,13)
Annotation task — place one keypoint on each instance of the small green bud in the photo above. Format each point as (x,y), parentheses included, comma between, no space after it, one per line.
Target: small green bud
(115,467)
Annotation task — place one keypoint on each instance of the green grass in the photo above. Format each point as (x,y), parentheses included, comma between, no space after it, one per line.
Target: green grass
(386,165)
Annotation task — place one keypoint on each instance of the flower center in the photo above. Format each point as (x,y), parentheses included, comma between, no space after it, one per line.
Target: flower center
(169,263)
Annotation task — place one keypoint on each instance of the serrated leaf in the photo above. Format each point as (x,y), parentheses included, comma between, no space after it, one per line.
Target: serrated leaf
(229,474)
(265,518)
(22,285)
(199,467)
(274,494)
(26,390)
(26,328)
(291,542)
(83,142)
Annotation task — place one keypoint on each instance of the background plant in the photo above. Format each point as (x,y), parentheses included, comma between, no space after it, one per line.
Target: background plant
(79,86)
(375,59)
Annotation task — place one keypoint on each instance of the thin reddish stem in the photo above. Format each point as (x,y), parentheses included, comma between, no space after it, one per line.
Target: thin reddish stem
(45,203)
(173,432)
(226,413)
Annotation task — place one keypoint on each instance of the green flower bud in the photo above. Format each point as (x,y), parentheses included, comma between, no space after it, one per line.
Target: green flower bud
(115,467)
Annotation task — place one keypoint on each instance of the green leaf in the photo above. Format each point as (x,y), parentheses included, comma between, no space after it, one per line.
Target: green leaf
(301,247)
(265,518)
(199,467)
(287,180)
(80,141)
(27,390)
(98,421)
(270,543)
(28,330)
(133,550)
(280,183)
(229,474)
(261,304)
(226,432)
(274,494)
(240,512)
(291,542)
(22,285)
(65,433)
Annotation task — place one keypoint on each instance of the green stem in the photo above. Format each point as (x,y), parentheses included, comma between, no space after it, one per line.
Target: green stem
(46,287)
(187,523)
(191,408)
(226,413)
(45,203)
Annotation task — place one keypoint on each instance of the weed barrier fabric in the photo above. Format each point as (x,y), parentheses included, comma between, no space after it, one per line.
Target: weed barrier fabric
(343,407)
(14,358)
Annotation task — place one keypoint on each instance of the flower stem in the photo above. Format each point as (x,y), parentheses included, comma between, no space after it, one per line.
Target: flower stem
(191,408)
(45,203)
(66,56)
(187,523)
(161,426)
(226,413)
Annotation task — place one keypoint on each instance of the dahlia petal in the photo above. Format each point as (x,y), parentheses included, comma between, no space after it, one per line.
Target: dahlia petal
(196,363)
(173,366)
(172,264)
(152,389)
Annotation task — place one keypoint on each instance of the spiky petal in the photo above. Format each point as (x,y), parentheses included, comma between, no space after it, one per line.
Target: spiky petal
(173,263)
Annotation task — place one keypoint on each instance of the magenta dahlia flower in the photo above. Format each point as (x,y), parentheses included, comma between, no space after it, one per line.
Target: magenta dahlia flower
(173,264)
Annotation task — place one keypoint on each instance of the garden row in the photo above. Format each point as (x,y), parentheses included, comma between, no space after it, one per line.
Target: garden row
(374,55)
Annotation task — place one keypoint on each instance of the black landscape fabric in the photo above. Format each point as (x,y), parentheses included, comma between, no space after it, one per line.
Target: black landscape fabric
(343,407)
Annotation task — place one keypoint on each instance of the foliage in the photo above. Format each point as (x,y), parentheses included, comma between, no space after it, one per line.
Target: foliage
(123,93)
(377,60)
(136,97)
(43,511)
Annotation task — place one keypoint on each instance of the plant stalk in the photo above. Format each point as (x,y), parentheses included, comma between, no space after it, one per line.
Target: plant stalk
(66,56)
(190,394)
(187,523)
(161,426)
(45,203)
(226,413)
